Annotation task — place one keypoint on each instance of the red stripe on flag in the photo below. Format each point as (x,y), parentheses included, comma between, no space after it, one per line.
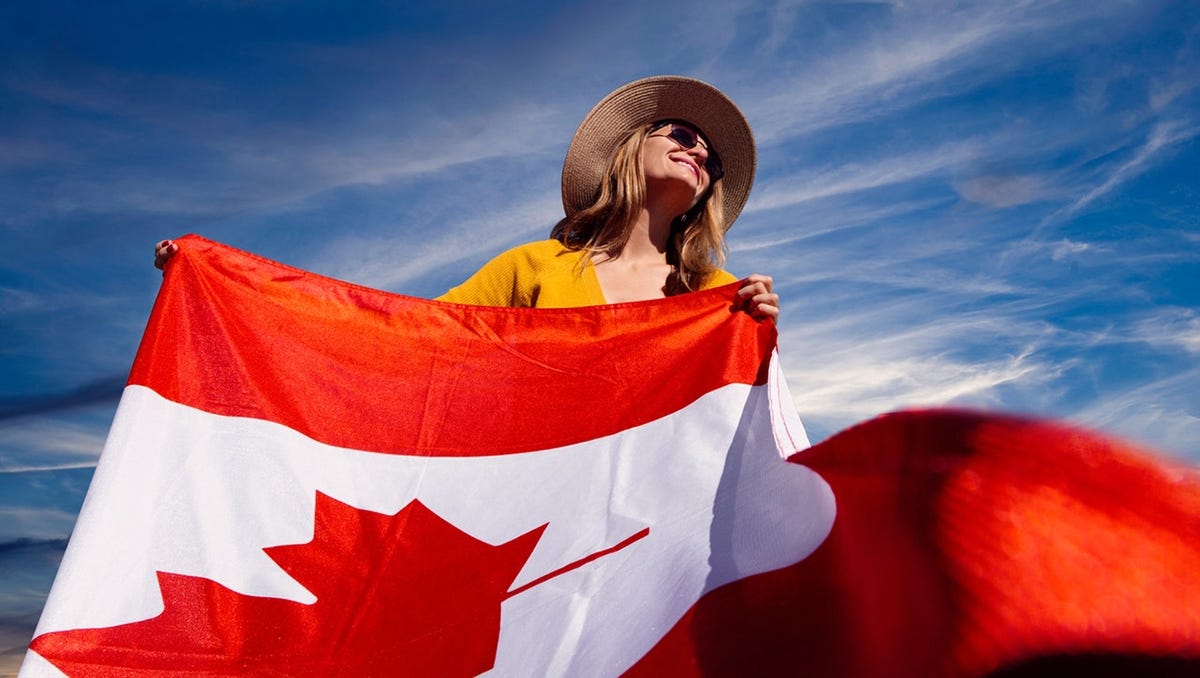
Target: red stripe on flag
(235,334)
(640,534)
(964,544)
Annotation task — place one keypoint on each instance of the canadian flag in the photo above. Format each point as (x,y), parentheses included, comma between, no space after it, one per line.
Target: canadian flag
(313,478)
(306,477)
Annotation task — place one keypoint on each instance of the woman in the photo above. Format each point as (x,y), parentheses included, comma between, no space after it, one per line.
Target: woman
(648,200)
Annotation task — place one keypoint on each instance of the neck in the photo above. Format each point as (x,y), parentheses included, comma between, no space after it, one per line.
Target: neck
(651,234)
(648,239)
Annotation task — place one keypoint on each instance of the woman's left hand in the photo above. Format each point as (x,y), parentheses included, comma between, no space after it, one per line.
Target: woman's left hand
(757,298)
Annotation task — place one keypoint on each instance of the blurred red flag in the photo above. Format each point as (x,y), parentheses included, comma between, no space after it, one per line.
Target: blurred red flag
(967,544)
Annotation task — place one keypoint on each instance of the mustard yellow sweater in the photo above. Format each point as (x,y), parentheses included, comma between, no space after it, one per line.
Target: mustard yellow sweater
(541,274)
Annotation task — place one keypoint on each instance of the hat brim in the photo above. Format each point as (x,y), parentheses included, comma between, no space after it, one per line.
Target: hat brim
(665,97)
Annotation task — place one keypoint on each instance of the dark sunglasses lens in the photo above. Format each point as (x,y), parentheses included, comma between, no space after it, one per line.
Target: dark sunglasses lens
(712,165)
(686,137)
(714,171)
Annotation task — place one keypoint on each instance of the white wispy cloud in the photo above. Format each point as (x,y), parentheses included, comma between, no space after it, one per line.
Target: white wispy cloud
(1162,136)
(1160,413)
(259,170)
(816,183)
(1169,327)
(142,95)
(387,262)
(47,467)
(860,351)
(16,300)
(925,51)
(1181,78)
(35,523)
(437,142)
(33,443)
(1066,248)
(225,147)
(859,389)
(23,151)
(1164,93)
(843,370)
(772,233)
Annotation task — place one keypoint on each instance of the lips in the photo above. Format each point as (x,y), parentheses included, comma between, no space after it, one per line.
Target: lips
(689,164)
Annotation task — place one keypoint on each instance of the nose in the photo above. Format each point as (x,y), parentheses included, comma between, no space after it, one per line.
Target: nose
(699,152)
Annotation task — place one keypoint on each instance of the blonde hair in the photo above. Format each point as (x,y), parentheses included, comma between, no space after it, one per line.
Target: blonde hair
(696,249)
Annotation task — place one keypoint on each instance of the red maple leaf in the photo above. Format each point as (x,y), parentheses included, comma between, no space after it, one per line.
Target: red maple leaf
(409,594)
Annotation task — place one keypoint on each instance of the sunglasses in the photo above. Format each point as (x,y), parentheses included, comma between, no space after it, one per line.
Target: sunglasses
(687,137)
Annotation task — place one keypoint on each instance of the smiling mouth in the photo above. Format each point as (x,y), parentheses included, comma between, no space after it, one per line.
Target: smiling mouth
(694,169)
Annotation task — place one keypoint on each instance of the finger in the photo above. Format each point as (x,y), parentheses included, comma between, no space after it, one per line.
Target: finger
(765,280)
(766,300)
(752,290)
(765,312)
(764,306)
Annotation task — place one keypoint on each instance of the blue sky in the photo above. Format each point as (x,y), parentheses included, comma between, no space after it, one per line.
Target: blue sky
(989,204)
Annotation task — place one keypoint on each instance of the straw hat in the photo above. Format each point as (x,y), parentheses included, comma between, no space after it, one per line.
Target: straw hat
(662,97)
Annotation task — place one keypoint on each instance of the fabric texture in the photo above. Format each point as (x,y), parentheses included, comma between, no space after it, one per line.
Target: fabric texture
(542,274)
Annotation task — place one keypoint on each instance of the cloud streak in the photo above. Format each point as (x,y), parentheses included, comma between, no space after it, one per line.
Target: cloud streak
(36,444)
(1162,137)
(815,184)
(919,52)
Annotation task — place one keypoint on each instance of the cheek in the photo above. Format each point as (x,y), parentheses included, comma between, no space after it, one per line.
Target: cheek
(650,151)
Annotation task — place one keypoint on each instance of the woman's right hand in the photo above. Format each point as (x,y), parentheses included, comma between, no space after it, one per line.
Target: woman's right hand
(759,299)
(164,250)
